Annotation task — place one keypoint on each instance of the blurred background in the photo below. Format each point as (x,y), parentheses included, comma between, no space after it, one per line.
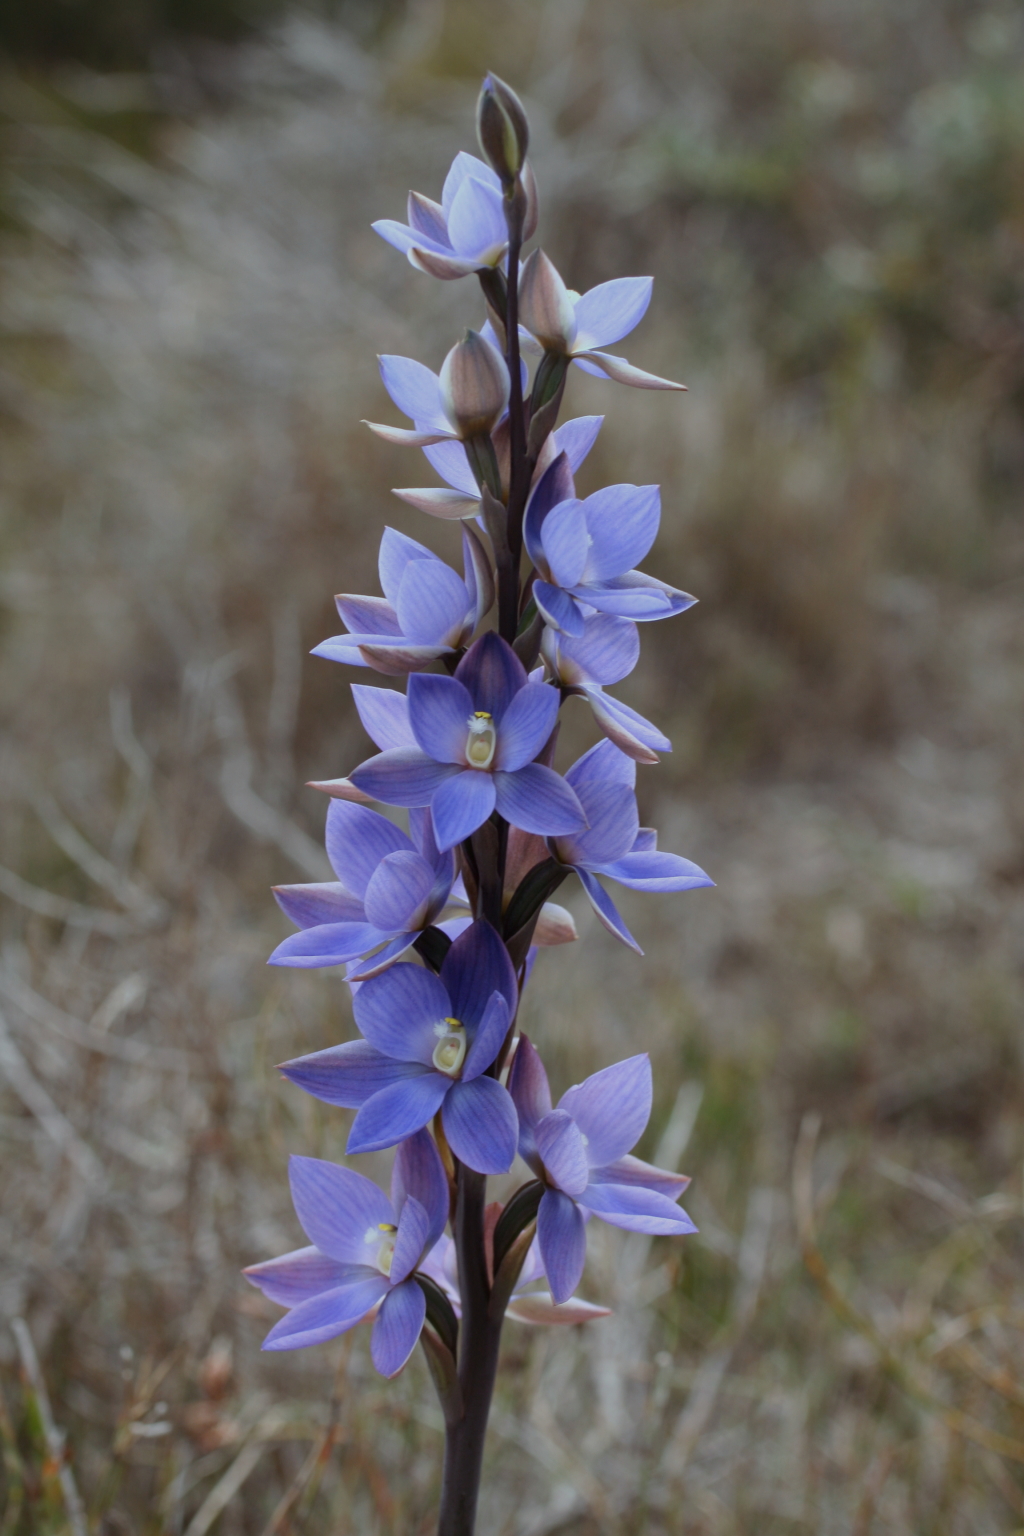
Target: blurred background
(831,198)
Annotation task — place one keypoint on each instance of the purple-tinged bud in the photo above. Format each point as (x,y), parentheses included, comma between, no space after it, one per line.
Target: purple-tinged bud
(532,214)
(545,307)
(502,128)
(474,386)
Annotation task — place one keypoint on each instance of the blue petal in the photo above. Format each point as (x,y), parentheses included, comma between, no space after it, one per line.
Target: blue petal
(603,764)
(657,872)
(558,608)
(357,839)
(325,902)
(562,1235)
(480,1124)
(487,1040)
(363,616)
(449,459)
(397,890)
(402,776)
(433,603)
(637,1210)
(385,716)
(348,1074)
(554,486)
(397,1012)
(440,709)
(397,553)
(337,1207)
(396,1112)
(476,222)
(306,1272)
(411,1239)
(327,944)
(462,166)
(630,731)
(606,909)
(461,805)
(419,1172)
(612,1108)
(531,1094)
(537,799)
(324,1317)
(526,726)
(566,543)
(611,310)
(397,1327)
(610,809)
(606,652)
(476,966)
(415,390)
(561,1148)
(575,438)
(492,673)
(622,521)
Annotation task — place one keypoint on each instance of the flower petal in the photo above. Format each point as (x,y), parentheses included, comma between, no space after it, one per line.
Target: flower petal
(449,459)
(622,521)
(602,764)
(327,944)
(432,603)
(537,799)
(476,966)
(531,1094)
(347,1074)
(461,805)
(563,1152)
(480,1123)
(397,1327)
(558,608)
(633,1170)
(476,222)
(440,709)
(356,840)
(397,1111)
(306,1272)
(324,1317)
(526,726)
(398,890)
(324,902)
(492,673)
(611,310)
(372,965)
(409,437)
(337,1207)
(385,716)
(427,218)
(575,438)
(622,372)
(612,1108)
(462,166)
(610,808)
(487,1039)
(362,616)
(625,728)
(425,259)
(554,486)
(657,872)
(539,1307)
(411,1239)
(397,552)
(402,776)
(417,393)
(562,1234)
(419,1172)
(566,542)
(606,908)
(438,501)
(637,1210)
(397,1012)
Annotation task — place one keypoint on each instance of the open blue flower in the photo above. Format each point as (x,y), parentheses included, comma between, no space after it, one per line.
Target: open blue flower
(584,552)
(476,735)
(464,233)
(389,888)
(606,652)
(364,1254)
(613,842)
(427,611)
(580,1150)
(427,1042)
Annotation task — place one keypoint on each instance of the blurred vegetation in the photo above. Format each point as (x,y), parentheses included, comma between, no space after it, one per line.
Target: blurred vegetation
(831,200)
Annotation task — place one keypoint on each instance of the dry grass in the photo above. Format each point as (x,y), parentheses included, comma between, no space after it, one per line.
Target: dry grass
(829,197)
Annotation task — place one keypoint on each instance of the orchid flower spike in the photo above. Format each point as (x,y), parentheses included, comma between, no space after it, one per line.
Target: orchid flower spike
(614,844)
(365,1252)
(389,889)
(427,1043)
(472,741)
(580,1152)
(427,611)
(573,327)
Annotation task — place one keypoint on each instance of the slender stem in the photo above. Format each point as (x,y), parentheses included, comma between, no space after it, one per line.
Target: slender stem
(479,1338)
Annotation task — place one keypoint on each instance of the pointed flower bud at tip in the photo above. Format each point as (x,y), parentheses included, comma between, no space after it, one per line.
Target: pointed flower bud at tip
(474,386)
(502,128)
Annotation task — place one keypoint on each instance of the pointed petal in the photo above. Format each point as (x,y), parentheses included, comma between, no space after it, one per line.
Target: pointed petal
(432,603)
(622,372)
(526,726)
(531,1094)
(637,1210)
(427,218)
(537,799)
(324,1317)
(566,542)
(419,1172)
(657,872)
(411,1239)
(612,1108)
(409,437)
(603,764)
(633,1170)
(363,616)
(397,1111)
(327,944)
(575,438)
(347,1074)
(340,789)
(622,521)
(629,731)
(611,310)
(476,222)
(563,1152)
(357,840)
(461,805)
(480,1123)
(476,966)
(478,575)
(416,390)
(371,965)
(401,236)
(610,808)
(397,891)
(402,776)
(296,1276)
(337,1207)
(440,709)
(385,716)
(488,1038)
(558,608)
(449,459)
(562,1234)
(438,501)
(325,902)
(397,1011)
(538,1307)
(462,166)
(554,486)
(397,1327)
(492,673)
(437,264)
(397,553)
(606,909)
(397,658)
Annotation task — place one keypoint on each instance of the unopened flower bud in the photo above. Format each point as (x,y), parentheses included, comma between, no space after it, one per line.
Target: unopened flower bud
(545,307)
(474,386)
(502,128)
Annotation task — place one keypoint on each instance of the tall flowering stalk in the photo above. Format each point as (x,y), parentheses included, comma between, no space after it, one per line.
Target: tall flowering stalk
(438,929)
